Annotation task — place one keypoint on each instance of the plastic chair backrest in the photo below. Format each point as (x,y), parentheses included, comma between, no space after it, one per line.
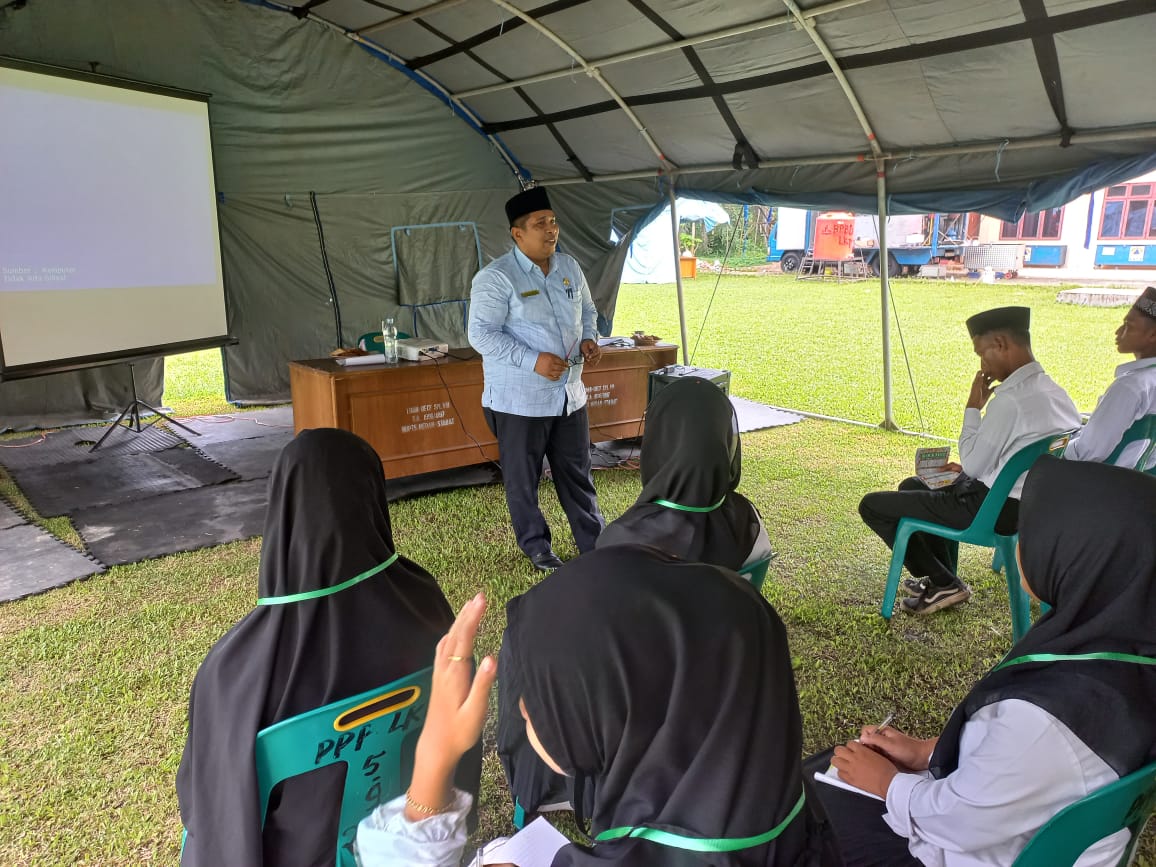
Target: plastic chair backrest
(373,734)
(1126,803)
(756,572)
(1143,428)
(1017,465)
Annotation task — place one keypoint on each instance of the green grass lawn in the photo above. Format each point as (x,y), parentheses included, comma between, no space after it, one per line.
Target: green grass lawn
(816,345)
(94,677)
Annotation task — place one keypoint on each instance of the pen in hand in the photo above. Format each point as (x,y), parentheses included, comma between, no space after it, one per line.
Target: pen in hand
(887,720)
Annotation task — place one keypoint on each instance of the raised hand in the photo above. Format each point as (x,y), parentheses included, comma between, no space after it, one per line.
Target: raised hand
(457,711)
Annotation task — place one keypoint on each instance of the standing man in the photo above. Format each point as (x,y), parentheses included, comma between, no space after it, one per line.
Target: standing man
(1027,407)
(1132,395)
(533,321)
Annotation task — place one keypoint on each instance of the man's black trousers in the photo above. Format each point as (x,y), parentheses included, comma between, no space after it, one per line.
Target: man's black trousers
(564,440)
(954,506)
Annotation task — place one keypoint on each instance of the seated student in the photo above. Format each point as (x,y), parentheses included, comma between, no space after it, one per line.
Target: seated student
(1027,407)
(691,465)
(1031,737)
(371,617)
(663,686)
(1131,396)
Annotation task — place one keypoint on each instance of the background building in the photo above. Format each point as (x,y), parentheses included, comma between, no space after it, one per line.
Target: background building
(1109,234)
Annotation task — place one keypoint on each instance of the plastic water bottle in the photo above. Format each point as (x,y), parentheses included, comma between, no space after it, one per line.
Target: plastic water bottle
(389,341)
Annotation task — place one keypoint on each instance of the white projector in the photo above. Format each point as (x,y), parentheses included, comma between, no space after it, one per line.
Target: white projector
(419,349)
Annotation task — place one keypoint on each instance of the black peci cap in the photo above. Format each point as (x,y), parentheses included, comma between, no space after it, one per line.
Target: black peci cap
(1146,303)
(1000,319)
(526,202)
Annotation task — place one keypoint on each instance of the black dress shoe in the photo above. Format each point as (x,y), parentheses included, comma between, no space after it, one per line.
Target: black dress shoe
(547,561)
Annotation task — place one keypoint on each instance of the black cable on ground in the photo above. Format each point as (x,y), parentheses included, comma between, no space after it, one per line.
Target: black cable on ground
(481,450)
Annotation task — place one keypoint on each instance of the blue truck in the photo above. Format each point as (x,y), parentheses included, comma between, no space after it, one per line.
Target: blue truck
(912,240)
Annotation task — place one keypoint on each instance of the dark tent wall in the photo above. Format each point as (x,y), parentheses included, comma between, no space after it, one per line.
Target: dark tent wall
(296,109)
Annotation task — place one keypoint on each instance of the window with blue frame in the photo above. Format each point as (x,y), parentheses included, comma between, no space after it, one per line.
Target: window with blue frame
(1129,212)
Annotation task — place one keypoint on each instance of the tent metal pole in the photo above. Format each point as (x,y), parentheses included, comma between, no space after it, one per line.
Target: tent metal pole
(642,53)
(1089,137)
(1085,137)
(649,174)
(884,294)
(678,268)
(836,70)
(591,71)
(838,418)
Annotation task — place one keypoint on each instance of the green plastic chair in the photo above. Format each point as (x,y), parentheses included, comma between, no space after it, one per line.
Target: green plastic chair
(373,734)
(1144,428)
(756,572)
(1126,803)
(981,532)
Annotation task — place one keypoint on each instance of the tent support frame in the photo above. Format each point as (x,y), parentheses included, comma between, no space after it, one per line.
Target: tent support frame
(857,423)
(1090,137)
(678,268)
(591,71)
(888,422)
(883,259)
(655,50)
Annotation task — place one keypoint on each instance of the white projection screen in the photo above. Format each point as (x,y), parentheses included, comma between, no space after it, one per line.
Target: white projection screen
(109,245)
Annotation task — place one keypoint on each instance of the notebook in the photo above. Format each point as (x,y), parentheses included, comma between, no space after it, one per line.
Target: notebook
(533,846)
(831,778)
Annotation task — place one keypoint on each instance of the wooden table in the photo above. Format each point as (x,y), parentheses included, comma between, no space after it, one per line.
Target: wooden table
(424,416)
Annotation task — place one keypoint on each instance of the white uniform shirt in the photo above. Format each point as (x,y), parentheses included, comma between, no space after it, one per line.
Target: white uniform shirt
(385,838)
(1131,395)
(1025,408)
(1018,767)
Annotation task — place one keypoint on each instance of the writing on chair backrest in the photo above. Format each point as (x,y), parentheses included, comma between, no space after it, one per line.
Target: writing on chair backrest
(373,734)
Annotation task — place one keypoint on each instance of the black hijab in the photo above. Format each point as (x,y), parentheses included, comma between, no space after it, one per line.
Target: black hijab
(1088,549)
(691,455)
(668,686)
(327,522)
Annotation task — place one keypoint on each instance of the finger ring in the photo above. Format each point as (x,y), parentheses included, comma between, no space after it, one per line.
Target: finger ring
(456,658)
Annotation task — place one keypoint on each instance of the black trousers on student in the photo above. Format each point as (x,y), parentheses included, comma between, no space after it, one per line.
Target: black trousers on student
(954,506)
(863,838)
(564,440)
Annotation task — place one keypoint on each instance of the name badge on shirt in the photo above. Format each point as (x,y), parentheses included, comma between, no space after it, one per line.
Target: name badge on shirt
(530,294)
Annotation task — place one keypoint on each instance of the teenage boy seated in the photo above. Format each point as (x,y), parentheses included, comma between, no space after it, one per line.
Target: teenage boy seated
(1027,407)
(1132,394)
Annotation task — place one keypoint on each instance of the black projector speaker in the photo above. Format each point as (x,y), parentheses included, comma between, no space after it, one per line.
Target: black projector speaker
(661,378)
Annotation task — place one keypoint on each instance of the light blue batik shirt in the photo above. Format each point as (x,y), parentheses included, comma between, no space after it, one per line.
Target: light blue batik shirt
(516,312)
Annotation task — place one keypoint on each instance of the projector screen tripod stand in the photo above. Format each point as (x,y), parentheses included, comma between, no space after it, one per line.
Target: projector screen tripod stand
(130,415)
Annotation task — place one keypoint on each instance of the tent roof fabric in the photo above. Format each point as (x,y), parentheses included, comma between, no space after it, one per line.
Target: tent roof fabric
(797,95)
